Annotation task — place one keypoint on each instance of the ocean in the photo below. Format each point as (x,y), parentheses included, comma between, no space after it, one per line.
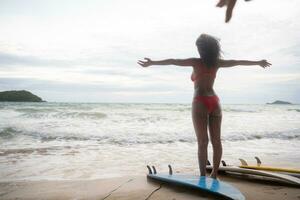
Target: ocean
(67,141)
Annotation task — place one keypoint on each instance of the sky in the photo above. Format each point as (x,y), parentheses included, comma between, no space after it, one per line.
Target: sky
(86,51)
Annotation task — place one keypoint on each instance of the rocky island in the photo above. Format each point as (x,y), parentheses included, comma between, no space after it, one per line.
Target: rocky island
(280,102)
(19,96)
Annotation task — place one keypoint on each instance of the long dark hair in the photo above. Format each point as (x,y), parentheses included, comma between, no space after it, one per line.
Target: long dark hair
(209,49)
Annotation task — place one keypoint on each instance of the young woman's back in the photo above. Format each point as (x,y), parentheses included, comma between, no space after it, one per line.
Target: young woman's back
(203,78)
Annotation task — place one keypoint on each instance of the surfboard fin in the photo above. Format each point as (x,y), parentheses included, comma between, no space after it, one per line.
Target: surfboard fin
(149,169)
(257,161)
(223,163)
(243,162)
(154,170)
(170,170)
(207,162)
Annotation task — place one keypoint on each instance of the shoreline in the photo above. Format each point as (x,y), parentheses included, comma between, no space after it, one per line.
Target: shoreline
(137,187)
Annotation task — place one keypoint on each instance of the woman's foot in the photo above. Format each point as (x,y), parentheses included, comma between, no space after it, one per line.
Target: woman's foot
(221,3)
(213,175)
(230,6)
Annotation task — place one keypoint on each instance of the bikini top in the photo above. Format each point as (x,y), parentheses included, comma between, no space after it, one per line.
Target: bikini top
(204,71)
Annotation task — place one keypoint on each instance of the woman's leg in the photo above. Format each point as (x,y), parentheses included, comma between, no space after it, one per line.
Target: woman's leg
(200,121)
(215,120)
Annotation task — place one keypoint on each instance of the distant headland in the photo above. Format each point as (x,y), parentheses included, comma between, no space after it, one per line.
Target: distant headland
(280,102)
(19,96)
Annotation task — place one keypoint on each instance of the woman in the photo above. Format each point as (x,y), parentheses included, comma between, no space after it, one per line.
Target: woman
(206,109)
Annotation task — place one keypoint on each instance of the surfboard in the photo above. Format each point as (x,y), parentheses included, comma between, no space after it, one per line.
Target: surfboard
(244,164)
(202,183)
(277,176)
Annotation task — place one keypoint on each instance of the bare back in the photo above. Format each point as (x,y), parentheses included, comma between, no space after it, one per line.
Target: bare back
(203,78)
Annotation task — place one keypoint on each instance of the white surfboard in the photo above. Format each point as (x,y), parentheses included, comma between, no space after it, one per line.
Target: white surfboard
(282,177)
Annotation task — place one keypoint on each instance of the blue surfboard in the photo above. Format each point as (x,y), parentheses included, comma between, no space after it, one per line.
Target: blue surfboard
(202,183)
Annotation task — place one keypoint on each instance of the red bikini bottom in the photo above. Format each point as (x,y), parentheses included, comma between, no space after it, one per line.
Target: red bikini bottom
(210,102)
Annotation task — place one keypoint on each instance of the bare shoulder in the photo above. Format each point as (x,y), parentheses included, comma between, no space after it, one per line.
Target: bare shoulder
(221,62)
(195,61)
(224,63)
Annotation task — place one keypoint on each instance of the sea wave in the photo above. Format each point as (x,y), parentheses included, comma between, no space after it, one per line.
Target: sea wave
(64,115)
(121,138)
(257,136)
(239,110)
(8,132)
(40,150)
(182,109)
(81,115)
(297,110)
(35,110)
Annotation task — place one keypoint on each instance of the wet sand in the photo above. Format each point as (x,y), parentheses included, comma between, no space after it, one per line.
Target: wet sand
(137,188)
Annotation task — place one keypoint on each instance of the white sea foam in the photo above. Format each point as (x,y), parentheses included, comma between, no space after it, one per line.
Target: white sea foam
(69,141)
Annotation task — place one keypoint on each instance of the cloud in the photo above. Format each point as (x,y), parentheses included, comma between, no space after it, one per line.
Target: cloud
(7,59)
(39,84)
(96,92)
(93,47)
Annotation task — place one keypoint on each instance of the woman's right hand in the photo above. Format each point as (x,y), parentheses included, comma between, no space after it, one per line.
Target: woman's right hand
(146,63)
(264,63)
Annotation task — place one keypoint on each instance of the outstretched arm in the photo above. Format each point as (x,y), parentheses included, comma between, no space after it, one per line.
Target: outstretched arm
(232,63)
(179,62)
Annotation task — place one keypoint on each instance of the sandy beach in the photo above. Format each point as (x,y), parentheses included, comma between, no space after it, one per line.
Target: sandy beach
(136,188)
